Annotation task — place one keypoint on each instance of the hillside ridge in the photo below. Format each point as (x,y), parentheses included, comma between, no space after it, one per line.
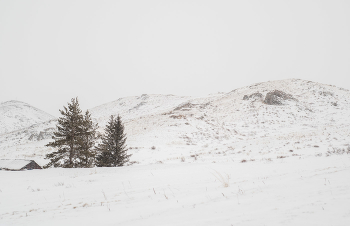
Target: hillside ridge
(16,115)
(298,114)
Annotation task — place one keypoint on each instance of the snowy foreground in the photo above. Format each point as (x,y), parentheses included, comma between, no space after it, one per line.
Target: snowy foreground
(307,190)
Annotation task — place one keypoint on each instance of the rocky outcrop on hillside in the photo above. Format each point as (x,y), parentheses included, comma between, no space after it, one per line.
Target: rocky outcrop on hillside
(277,97)
(255,96)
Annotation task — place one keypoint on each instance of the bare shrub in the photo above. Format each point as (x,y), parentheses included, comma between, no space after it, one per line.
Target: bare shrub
(108,205)
(59,184)
(281,157)
(132,163)
(194,156)
(35,190)
(178,116)
(338,151)
(326,93)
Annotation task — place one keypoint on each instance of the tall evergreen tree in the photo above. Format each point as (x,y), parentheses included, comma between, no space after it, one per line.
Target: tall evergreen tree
(73,138)
(86,152)
(113,150)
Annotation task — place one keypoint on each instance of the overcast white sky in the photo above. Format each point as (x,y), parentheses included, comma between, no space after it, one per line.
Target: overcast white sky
(51,51)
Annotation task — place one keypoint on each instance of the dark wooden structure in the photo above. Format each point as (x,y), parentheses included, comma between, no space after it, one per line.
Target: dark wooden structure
(18,164)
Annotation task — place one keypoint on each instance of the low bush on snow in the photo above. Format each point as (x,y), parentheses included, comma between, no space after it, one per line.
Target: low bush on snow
(338,151)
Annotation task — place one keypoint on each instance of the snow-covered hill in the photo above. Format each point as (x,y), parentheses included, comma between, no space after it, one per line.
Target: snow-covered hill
(310,114)
(131,108)
(138,106)
(16,115)
(265,120)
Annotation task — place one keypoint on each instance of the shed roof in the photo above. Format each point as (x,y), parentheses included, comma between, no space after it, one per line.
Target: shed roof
(13,164)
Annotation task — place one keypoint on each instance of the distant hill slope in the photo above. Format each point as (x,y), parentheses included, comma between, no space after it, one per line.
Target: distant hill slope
(137,106)
(264,120)
(146,105)
(15,115)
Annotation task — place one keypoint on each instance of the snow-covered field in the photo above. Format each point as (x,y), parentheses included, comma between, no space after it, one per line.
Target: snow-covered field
(223,159)
(289,191)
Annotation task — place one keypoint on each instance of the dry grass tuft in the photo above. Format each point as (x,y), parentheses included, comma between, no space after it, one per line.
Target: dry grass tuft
(225,181)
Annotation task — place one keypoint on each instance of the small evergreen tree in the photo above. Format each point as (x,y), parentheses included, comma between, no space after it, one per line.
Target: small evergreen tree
(113,150)
(73,139)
